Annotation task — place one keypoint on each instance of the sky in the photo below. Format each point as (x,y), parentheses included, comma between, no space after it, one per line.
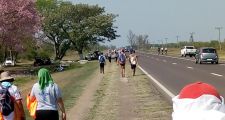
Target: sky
(161,19)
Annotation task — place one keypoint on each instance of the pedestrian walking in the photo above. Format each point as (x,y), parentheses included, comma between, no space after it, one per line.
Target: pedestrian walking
(10,99)
(122,61)
(198,101)
(133,61)
(102,63)
(165,49)
(109,56)
(162,50)
(158,50)
(116,55)
(48,96)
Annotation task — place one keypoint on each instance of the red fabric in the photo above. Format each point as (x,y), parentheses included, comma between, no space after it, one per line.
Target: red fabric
(197,89)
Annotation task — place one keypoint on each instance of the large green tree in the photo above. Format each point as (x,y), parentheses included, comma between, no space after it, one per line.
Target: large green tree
(88,25)
(53,25)
(78,25)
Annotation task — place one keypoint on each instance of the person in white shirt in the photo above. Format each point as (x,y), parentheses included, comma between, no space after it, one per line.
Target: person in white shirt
(133,61)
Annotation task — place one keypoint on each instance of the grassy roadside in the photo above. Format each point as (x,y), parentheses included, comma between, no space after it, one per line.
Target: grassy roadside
(71,82)
(106,97)
(148,102)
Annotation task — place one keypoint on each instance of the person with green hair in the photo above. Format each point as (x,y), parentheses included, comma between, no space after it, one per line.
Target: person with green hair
(48,96)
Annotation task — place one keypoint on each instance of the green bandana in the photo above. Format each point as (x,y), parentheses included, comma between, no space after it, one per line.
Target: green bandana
(44,78)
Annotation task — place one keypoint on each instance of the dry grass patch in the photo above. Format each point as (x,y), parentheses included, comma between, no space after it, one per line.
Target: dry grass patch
(150,104)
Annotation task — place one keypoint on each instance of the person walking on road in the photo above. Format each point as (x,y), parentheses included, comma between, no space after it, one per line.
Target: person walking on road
(133,61)
(116,55)
(162,50)
(122,61)
(158,50)
(11,104)
(110,57)
(48,96)
(101,60)
(165,49)
(198,101)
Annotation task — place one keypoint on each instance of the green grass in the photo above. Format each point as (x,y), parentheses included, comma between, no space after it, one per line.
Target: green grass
(77,83)
(73,86)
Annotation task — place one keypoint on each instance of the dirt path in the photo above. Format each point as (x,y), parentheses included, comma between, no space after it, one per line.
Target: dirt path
(85,102)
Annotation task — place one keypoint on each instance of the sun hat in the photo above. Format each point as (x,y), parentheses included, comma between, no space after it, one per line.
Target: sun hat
(6,76)
(197,89)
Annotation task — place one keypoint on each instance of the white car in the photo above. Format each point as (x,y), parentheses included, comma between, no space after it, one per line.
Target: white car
(9,62)
(188,50)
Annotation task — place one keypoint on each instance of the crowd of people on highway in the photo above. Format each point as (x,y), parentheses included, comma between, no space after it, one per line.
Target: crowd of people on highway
(120,57)
(196,101)
(162,50)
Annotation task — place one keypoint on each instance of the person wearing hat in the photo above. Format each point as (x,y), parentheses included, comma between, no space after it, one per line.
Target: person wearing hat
(198,101)
(48,96)
(6,81)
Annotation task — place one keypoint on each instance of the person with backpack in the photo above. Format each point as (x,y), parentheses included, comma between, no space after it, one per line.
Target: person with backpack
(48,96)
(11,106)
(101,60)
(122,62)
(133,61)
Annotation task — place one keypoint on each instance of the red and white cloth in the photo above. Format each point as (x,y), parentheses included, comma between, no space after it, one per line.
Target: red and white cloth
(198,101)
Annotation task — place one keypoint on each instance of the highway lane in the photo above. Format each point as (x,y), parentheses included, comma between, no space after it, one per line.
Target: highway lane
(175,73)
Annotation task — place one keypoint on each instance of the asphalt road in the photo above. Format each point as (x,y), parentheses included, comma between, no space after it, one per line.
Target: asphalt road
(176,72)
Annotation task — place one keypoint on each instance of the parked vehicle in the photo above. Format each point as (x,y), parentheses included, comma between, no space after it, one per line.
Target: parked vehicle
(9,62)
(206,54)
(39,61)
(89,57)
(188,50)
(92,56)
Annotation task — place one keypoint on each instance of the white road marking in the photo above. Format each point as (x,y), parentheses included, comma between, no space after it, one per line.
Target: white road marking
(217,74)
(158,83)
(164,61)
(190,67)
(174,63)
(222,64)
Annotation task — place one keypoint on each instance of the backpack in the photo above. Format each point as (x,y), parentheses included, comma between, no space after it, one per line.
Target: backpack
(6,101)
(122,58)
(102,59)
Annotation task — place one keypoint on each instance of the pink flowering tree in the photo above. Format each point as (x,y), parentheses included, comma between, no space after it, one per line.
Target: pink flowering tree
(18,20)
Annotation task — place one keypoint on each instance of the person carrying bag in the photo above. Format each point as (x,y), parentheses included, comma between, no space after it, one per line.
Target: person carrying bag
(48,96)
(11,107)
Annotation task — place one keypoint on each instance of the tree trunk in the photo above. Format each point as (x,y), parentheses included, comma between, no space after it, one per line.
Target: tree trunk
(80,52)
(57,52)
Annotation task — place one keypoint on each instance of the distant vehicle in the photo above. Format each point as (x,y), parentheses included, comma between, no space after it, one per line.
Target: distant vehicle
(206,54)
(92,56)
(39,61)
(9,62)
(188,50)
(89,57)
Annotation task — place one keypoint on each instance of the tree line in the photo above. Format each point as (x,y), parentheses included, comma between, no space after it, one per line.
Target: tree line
(142,42)
(43,27)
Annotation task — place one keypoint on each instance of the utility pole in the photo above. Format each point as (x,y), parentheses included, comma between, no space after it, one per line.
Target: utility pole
(192,37)
(166,41)
(177,41)
(219,28)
